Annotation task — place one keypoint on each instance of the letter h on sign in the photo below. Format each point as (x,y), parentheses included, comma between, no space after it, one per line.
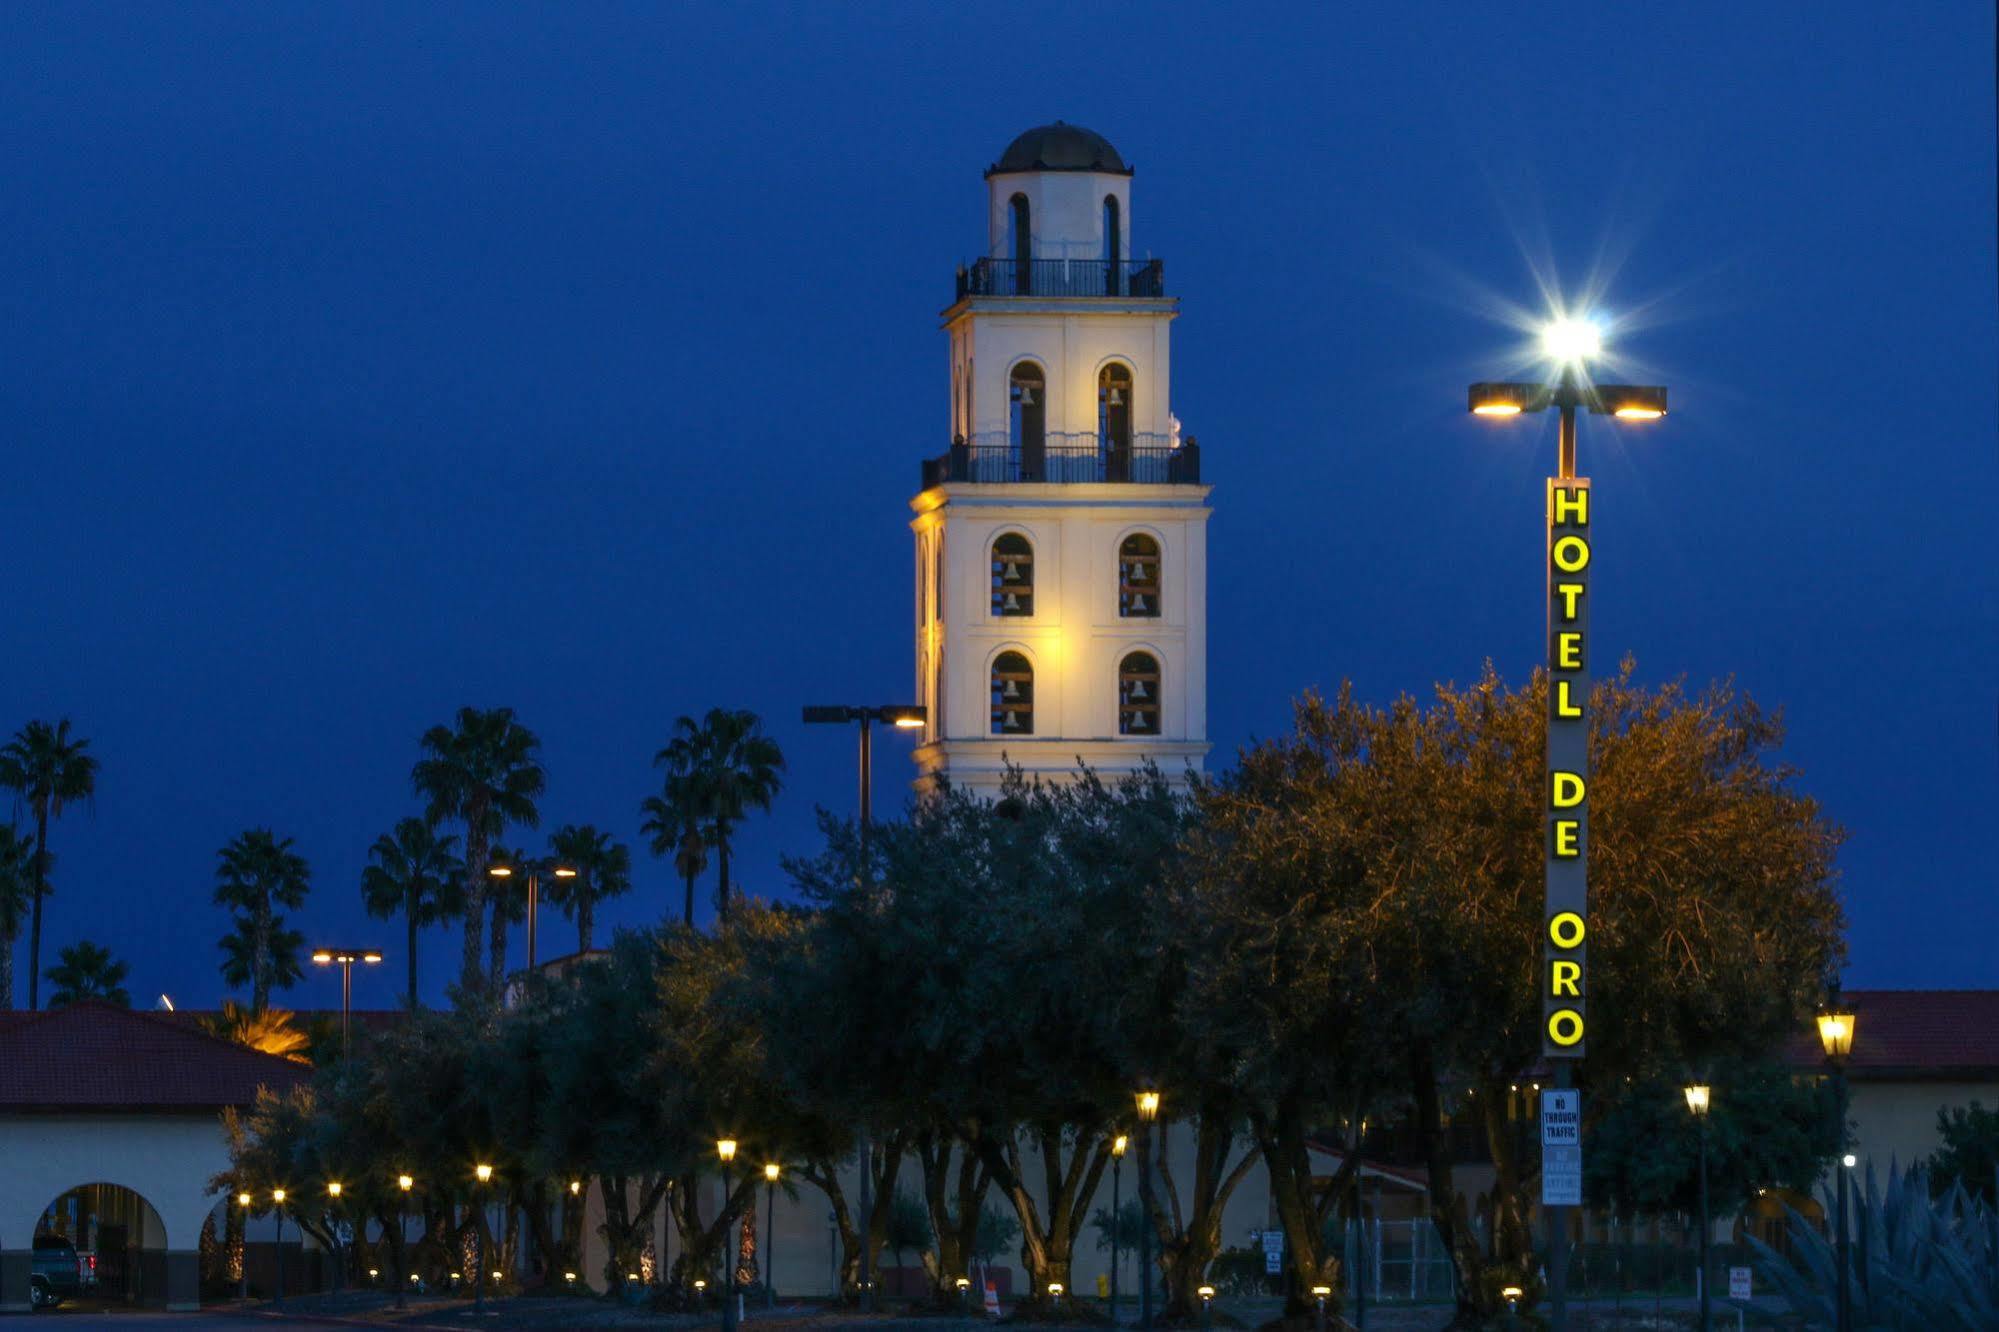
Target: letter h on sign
(1564,966)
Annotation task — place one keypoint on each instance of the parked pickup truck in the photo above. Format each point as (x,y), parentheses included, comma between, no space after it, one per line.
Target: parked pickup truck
(57,1274)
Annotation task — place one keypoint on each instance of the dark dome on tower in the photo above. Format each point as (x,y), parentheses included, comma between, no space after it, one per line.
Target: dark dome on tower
(1060,147)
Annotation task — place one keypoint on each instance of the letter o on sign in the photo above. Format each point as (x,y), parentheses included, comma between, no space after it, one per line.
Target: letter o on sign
(1565,1026)
(1571,554)
(1566,930)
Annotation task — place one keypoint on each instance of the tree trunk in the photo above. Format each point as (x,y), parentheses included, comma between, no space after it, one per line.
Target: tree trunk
(627,1229)
(497,938)
(260,954)
(412,949)
(746,1245)
(583,919)
(1048,1248)
(41,890)
(954,1212)
(1512,1236)
(722,878)
(1187,1246)
(1447,1209)
(824,1175)
(690,900)
(471,975)
(7,942)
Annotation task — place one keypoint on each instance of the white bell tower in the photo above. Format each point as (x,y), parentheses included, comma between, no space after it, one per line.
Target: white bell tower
(1061,540)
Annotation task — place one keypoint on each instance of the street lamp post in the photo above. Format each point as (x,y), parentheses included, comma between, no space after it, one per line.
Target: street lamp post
(725,1148)
(243,1200)
(1118,1145)
(339,1245)
(904,717)
(1569,344)
(534,869)
(278,1208)
(1697,1103)
(771,1172)
(1836,1028)
(484,1174)
(345,958)
(1147,1100)
(403,1186)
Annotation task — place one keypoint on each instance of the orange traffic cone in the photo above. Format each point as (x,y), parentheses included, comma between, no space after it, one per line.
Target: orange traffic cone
(992,1300)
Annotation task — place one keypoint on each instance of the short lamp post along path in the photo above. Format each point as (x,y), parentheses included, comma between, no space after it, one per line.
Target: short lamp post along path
(244,1201)
(1147,1101)
(1836,1031)
(484,1174)
(1569,344)
(345,958)
(278,1210)
(534,869)
(1207,1294)
(907,718)
(1118,1146)
(333,1191)
(725,1149)
(1320,1294)
(1698,1095)
(404,1183)
(772,1171)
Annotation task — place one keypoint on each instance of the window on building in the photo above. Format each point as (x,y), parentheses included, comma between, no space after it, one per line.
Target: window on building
(1138,578)
(1013,695)
(1013,576)
(1114,406)
(1138,694)
(1019,243)
(1027,391)
(1113,248)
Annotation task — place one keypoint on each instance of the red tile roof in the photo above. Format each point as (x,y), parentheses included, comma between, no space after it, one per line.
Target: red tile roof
(96,1057)
(1913,1035)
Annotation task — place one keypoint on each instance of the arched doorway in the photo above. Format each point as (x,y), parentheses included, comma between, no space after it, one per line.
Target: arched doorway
(115,1239)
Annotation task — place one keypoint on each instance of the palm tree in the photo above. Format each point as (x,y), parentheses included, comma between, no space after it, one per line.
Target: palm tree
(507,898)
(414,872)
(603,869)
(673,821)
(734,768)
(485,771)
(87,971)
(273,1031)
(256,874)
(47,769)
(17,882)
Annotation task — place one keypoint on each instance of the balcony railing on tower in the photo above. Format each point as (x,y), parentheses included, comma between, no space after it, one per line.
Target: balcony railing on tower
(998,458)
(1063,277)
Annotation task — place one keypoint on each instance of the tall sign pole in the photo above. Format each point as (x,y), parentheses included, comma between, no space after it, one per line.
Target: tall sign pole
(1565,800)
(1564,962)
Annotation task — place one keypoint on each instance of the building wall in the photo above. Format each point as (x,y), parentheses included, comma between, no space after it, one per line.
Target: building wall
(1065,211)
(1897,1121)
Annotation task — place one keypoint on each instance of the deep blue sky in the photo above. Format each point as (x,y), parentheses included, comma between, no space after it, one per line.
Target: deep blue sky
(358,362)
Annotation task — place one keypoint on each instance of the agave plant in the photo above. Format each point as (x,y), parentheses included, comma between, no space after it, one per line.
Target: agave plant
(1917,1262)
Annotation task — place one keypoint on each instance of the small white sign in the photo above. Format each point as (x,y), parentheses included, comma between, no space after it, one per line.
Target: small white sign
(1561,1177)
(1738,1283)
(1273,1251)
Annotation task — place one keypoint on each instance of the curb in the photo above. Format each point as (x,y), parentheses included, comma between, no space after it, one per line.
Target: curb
(329,1320)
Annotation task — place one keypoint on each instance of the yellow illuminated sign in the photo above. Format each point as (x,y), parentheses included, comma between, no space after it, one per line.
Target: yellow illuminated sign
(1564,963)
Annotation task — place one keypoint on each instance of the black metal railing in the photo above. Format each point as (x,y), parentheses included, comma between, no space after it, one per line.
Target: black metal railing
(1063,277)
(1066,460)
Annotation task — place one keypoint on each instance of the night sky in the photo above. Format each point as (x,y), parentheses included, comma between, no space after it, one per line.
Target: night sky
(361,362)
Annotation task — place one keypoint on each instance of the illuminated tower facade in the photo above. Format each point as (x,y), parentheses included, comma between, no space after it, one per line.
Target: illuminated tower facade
(1061,539)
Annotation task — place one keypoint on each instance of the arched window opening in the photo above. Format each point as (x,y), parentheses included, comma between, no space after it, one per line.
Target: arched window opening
(1027,410)
(1113,249)
(1138,694)
(1114,405)
(1013,695)
(1013,576)
(1138,578)
(1019,243)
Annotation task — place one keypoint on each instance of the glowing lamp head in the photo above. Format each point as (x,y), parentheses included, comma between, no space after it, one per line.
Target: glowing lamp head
(726,1149)
(1697,1100)
(1572,340)
(1148,1105)
(278,1196)
(1849,1160)
(500,871)
(371,957)
(484,1172)
(1512,1294)
(1055,1289)
(322,957)
(374,1272)
(1836,1034)
(772,1170)
(1206,1292)
(242,1200)
(405,1183)
(333,1188)
(575,1187)
(1321,1292)
(963,1283)
(1118,1145)
(564,872)
(570,1277)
